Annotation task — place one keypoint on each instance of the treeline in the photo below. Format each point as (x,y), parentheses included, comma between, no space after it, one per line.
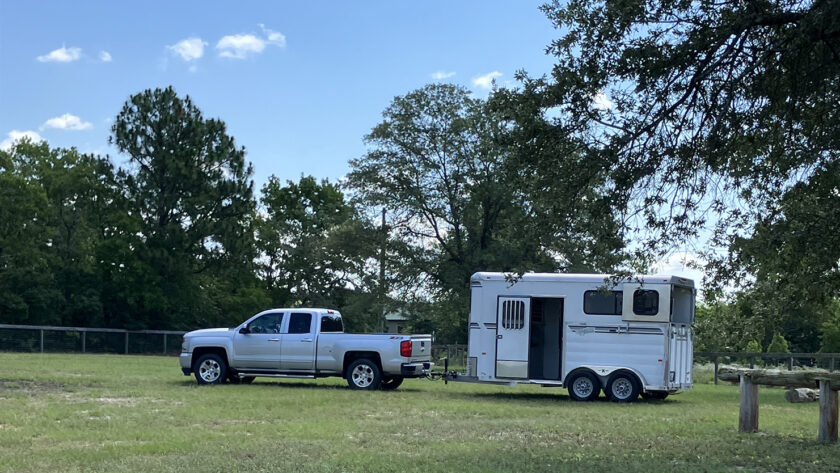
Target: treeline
(177,238)
(661,124)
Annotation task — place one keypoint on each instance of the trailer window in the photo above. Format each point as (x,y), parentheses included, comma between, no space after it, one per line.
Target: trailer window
(513,315)
(602,303)
(645,302)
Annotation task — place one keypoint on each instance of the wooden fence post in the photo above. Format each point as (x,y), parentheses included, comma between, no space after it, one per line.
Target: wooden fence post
(828,413)
(716,369)
(748,417)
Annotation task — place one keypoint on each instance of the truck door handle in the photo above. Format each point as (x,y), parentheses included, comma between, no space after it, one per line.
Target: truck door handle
(273,339)
(306,340)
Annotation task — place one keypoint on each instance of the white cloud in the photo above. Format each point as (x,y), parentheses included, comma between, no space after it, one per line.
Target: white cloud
(240,46)
(189,49)
(486,81)
(104,56)
(62,54)
(440,75)
(683,264)
(16,135)
(601,101)
(67,122)
(274,37)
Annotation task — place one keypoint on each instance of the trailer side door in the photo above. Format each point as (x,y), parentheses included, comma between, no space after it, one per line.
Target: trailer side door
(512,337)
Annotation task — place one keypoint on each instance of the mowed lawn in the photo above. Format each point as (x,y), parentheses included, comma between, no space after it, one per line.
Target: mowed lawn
(113,413)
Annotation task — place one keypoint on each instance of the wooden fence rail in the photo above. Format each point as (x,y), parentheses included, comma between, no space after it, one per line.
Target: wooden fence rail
(750,379)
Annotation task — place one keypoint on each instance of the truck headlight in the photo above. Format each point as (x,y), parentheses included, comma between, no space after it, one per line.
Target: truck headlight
(185,346)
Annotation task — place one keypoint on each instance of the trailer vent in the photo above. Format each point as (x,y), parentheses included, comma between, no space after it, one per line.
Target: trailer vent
(472,364)
(513,315)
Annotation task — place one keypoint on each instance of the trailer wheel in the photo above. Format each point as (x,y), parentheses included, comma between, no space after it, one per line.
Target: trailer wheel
(655,395)
(622,387)
(363,374)
(584,386)
(389,383)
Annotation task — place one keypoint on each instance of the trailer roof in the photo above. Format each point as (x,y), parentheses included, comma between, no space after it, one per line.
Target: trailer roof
(582,277)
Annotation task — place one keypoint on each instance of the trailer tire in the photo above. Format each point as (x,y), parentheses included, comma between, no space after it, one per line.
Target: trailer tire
(655,395)
(363,374)
(584,386)
(389,383)
(622,386)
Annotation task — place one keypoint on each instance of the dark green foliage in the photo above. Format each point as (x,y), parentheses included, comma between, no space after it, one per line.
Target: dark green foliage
(458,202)
(315,250)
(778,345)
(724,114)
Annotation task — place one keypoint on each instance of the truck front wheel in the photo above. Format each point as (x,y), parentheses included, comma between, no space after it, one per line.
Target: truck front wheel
(389,383)
(363,374)
(210,369)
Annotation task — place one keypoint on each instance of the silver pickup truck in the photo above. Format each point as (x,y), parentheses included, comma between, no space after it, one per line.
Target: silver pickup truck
(303,343)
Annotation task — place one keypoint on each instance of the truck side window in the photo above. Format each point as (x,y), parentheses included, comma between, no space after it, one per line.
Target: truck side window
(300,323)
(645,302)
(602,303)
(268,323)
(331,323)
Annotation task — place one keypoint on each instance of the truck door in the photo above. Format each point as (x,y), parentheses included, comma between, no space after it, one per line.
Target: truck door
(512,337)
(259,347)
(297,348)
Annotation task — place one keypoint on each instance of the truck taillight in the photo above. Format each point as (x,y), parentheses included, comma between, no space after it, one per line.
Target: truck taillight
(405,348)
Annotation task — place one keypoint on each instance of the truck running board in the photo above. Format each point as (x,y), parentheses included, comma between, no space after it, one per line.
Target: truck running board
(269,375)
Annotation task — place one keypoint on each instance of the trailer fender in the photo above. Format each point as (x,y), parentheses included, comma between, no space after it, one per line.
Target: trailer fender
(604,372)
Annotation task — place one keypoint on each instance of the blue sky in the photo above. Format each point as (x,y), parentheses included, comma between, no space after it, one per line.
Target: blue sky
(298,85)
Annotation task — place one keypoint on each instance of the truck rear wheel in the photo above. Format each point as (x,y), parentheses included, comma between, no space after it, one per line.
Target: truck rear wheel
(363,374)
(210,369)
(389,383)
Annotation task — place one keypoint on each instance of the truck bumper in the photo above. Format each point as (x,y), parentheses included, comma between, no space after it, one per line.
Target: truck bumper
(417,370)
(186,363)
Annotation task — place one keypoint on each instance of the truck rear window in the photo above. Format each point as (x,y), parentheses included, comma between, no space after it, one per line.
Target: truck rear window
(331,323)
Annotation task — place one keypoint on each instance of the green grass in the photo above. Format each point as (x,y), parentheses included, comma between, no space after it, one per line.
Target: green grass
(114,413)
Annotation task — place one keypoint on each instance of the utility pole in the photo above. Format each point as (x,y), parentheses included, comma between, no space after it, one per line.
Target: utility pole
(382,290)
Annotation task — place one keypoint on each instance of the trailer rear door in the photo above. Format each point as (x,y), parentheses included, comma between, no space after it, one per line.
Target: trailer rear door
(512,337)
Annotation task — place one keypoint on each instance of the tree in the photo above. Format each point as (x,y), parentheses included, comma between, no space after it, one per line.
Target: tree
(457,201)
(314,248)
(710,113)
(778,344)
(189,183)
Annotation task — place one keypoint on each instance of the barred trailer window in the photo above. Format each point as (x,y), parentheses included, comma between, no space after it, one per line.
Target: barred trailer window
(513,315)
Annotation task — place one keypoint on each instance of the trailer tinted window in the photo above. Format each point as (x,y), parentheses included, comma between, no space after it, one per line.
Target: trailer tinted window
(513,315)
(602,303)
(331,323)
(300,323)
(645,302)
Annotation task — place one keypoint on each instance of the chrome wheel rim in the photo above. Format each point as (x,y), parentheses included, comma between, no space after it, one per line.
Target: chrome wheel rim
(362,376)
(583,387)
(622,388)
(210,370)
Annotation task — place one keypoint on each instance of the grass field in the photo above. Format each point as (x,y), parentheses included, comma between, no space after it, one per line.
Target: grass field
(114,413)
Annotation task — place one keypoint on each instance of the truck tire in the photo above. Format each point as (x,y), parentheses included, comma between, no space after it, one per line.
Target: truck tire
(210,369)
(389,383)
(584,386)
(622,387)
(363,374)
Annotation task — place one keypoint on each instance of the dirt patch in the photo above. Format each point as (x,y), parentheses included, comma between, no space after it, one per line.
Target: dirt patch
(32,387)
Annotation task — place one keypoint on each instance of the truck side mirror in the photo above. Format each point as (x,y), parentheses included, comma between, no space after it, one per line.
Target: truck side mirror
(245,330)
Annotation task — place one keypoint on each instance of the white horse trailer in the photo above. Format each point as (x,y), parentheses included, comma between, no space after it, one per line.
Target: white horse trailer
(582,332)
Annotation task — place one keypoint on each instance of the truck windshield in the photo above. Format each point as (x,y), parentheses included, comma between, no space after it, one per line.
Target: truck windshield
(331,323)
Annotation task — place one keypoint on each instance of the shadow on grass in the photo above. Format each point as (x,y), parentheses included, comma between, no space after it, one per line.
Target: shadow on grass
(267,382)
